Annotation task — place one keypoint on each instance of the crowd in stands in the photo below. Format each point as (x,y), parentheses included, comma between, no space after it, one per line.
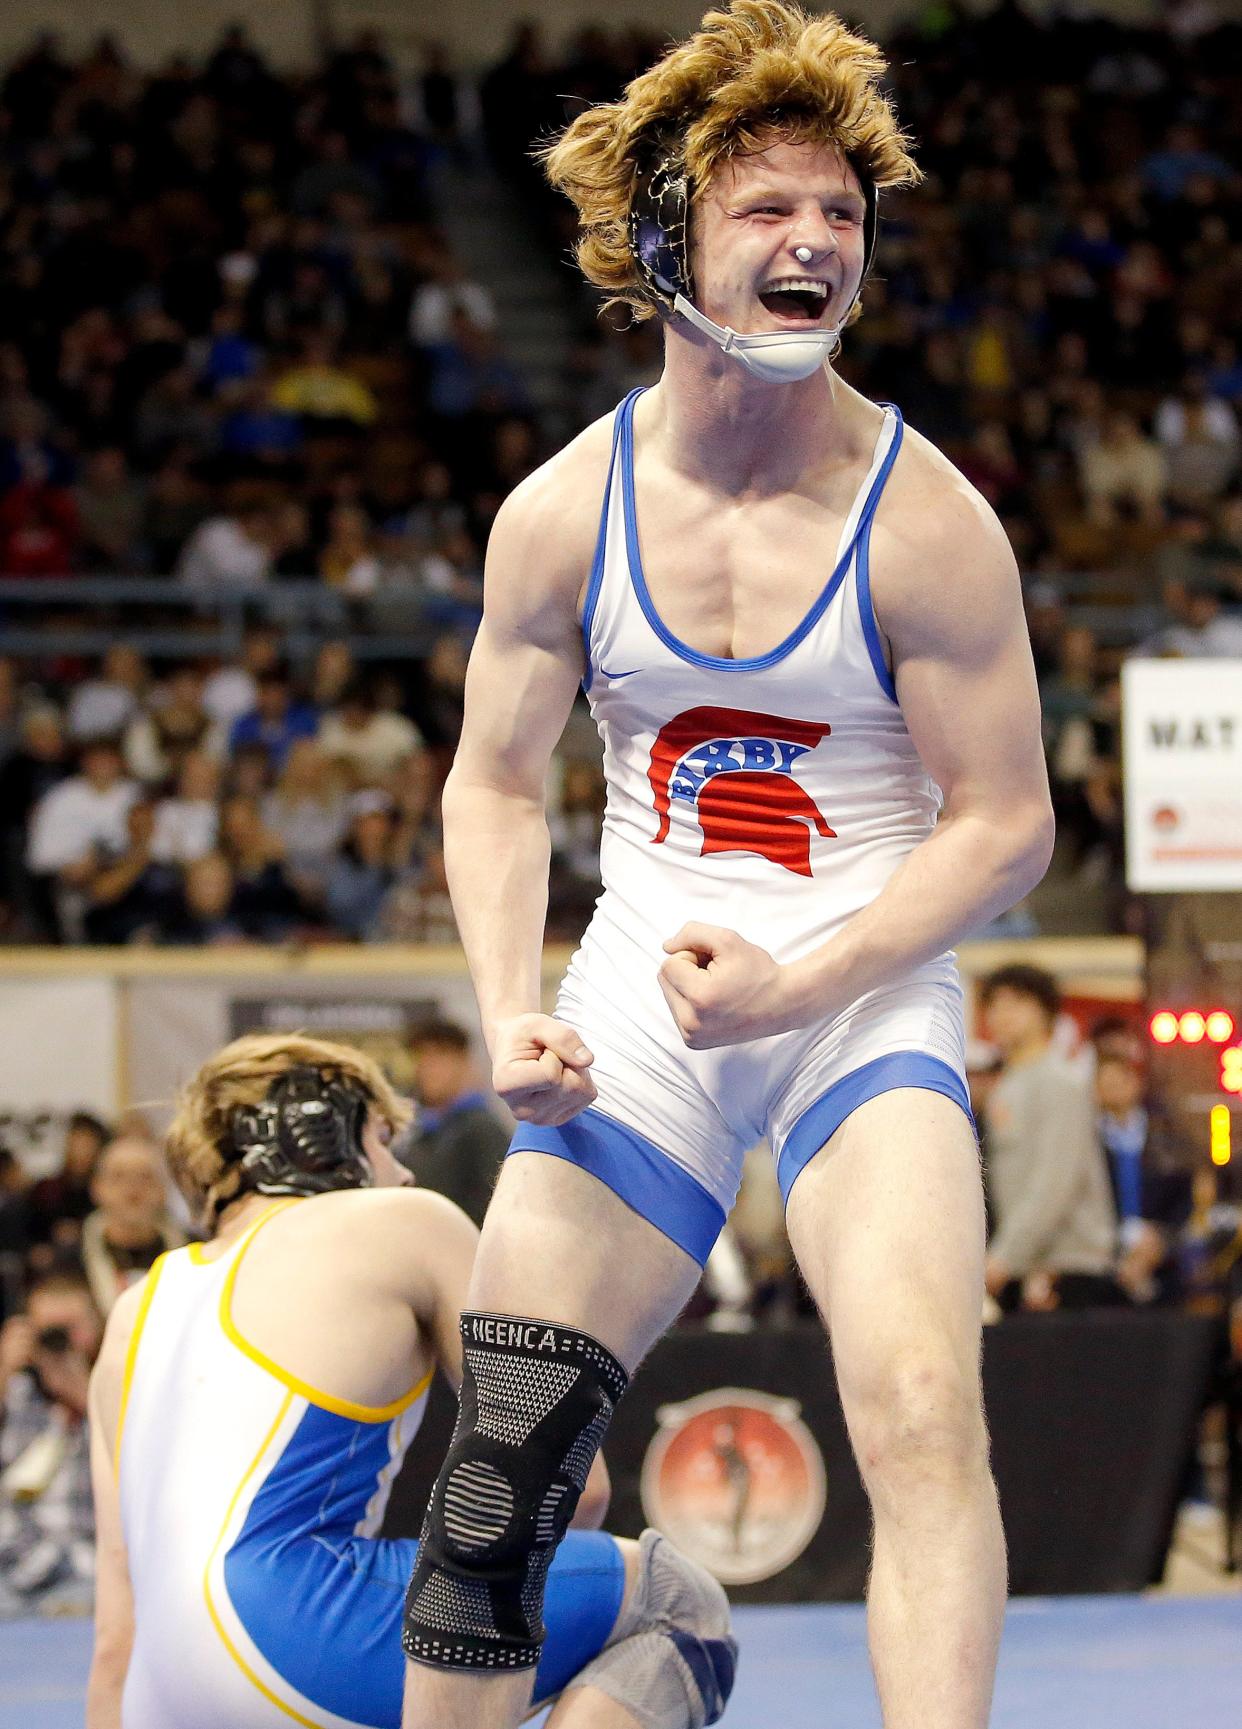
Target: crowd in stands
(237,347)
(240,803)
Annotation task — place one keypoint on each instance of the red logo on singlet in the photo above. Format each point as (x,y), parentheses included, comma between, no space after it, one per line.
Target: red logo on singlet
(736,769)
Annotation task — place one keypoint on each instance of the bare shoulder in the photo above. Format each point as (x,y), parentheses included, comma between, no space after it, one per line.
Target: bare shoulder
(108,1374)
(543,540)
(379,1228)
(122,1319)
(941,563)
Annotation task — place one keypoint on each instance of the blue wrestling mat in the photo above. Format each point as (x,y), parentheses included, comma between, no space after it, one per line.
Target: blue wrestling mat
(1078,1662)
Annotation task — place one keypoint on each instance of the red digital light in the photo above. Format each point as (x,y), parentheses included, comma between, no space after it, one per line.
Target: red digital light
(1192,1026)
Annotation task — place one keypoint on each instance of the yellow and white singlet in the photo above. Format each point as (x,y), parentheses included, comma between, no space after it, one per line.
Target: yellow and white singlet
(251,1505)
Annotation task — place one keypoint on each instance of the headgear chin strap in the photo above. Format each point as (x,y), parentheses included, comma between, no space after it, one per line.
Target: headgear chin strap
(775,356)
(304,1138)
(659,218)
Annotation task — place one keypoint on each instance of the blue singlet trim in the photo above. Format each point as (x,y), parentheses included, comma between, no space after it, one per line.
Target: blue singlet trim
(596,581)
(862,579)
(724,663)
(820,1121)
(646,1179)
(324,1607)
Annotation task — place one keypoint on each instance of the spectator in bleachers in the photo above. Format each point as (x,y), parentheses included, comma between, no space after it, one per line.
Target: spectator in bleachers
(249,772)
(265,904)
(187,820)
(177,502)
(130,1228)
(277,719)
(256,434)
(233,550)
(47,1528)
(445,289)
(39,529)
(173,725)
(1199,437)
(320,388)
(59,1203)
(111,503)
(470,376)
(16,1228)
(75,826)
(1207,623)
(348,560)
(376,855)
(1151,1182)
(457,1143)
(232,689)
(334,669)
(435,507)
(229,357)
(368,744)
(172,415)
(306,812)
(39,763)
(128,898)
(204,918)
(1122,475)
(103,707)
(1054,1244)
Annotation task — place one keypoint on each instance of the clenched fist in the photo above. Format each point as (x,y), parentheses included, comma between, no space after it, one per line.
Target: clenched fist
(723,990)
(542,1070)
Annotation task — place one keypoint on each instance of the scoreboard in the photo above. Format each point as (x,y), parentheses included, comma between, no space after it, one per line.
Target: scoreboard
(1182,750)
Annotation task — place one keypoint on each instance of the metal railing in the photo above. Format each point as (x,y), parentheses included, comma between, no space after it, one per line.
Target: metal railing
(170,619)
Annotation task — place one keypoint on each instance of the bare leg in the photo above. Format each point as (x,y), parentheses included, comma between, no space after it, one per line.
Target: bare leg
(558,1246)
(587,1707)
(887,1224)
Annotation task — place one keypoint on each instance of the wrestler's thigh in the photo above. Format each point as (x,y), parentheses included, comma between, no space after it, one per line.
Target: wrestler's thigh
(559,1245)
(887,1222)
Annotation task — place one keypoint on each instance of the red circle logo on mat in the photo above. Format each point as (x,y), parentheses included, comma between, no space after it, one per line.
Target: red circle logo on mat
(735,1478)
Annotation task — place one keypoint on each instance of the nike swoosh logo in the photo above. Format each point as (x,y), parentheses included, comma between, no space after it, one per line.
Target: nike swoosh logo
(604,673)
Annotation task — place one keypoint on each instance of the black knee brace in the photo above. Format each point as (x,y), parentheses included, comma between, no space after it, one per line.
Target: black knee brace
(536,1400)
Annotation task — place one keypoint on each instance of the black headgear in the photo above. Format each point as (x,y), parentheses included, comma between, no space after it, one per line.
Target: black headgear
(305,1138)
(659,214)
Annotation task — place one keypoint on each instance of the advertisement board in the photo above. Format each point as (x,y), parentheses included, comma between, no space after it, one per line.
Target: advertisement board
(1182,758)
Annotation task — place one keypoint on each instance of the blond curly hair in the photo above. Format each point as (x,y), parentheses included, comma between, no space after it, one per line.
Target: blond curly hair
(241,1075)
(761,72)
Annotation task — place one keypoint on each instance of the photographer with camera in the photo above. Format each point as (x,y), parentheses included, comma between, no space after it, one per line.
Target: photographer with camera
(47,1524)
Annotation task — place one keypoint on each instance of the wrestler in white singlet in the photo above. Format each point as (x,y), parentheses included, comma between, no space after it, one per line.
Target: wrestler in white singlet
(779,795)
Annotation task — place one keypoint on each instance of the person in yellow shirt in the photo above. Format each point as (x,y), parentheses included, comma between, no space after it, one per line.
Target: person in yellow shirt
(319,388)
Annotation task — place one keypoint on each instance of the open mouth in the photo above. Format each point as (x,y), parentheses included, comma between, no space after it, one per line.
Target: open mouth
(803,298)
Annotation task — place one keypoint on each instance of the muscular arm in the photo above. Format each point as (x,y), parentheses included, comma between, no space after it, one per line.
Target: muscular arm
(525,667)
(966,684)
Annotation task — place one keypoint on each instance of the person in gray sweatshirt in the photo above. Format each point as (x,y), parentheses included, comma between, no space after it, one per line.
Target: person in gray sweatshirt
(1054,1244)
